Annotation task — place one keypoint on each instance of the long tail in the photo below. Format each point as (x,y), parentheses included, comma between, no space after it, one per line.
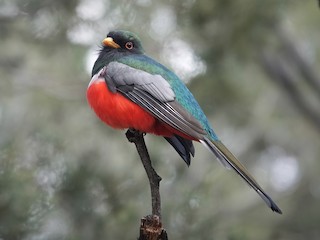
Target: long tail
(230,161)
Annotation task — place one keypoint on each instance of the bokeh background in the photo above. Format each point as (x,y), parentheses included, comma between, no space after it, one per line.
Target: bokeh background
(252,65)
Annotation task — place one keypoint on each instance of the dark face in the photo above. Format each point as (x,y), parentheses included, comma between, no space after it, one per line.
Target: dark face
(123,41)
(117,44)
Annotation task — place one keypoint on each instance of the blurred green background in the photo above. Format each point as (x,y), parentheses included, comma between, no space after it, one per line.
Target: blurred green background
(253,66)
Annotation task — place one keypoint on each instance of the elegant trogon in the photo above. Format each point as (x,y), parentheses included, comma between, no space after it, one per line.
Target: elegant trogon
(128,89)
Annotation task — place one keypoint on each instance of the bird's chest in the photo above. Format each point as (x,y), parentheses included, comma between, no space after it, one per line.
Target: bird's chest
(115,110)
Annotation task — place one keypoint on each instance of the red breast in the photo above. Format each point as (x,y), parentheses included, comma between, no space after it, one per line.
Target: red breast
(119,112)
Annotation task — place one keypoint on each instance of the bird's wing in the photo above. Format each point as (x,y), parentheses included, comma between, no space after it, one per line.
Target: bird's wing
(153,93)
(125,76)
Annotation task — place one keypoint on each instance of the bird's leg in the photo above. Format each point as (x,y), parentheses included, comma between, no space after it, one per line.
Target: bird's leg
(151,226)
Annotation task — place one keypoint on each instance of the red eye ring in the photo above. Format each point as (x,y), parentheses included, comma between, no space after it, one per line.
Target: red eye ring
(129,45)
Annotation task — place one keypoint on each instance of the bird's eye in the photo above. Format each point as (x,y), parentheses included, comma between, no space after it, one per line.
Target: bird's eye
(129,45)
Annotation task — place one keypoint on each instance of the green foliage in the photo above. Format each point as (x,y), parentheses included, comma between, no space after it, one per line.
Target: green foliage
(65,175)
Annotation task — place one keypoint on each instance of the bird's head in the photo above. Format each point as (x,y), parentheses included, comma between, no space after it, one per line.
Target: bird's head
(117,44)
(122,41)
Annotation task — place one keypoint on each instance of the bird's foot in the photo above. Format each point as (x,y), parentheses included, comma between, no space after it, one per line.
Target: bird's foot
(132,134)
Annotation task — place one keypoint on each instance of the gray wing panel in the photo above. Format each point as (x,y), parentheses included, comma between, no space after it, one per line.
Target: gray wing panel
(124,75)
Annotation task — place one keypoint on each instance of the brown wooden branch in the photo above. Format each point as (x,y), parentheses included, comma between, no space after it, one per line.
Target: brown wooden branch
(151,226)
(151,229)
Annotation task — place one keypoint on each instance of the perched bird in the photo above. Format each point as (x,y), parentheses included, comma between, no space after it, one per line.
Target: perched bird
(128,89)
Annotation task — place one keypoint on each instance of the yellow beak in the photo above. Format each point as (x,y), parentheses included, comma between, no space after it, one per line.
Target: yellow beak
(108,42)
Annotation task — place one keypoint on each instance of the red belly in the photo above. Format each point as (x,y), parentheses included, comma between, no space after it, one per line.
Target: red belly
(119,112)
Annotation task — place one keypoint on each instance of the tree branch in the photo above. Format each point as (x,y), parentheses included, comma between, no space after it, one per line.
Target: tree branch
(151,227)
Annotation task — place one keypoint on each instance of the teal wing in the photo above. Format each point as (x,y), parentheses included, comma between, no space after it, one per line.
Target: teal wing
(182,94)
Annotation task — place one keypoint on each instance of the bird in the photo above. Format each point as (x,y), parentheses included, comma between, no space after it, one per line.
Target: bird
(130,90)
